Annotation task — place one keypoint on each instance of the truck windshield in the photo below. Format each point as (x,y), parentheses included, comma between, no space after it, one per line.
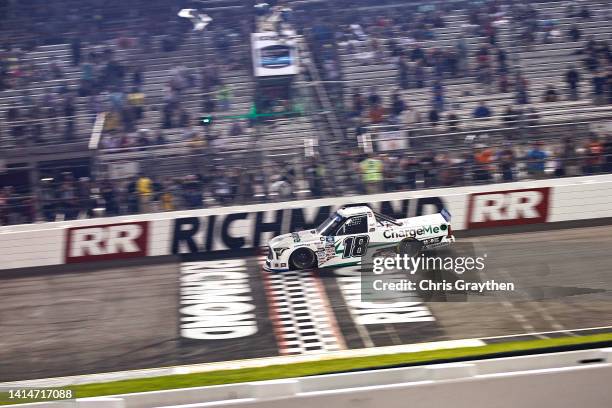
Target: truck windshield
(330,224)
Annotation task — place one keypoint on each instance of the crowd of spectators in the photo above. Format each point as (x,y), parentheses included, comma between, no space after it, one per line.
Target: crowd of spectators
(106,72)
(389,171)
(64,197)
(399,36)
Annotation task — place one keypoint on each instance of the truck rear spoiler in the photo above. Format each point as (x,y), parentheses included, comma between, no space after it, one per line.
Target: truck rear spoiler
(446,214)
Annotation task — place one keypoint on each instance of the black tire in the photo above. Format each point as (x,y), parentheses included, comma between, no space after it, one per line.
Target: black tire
(410,247)
(302,258)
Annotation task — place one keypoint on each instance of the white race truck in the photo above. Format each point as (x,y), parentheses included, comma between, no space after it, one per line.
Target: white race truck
(343,238)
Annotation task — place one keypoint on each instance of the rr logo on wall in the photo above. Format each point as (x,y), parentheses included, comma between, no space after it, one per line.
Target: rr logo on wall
(505,208)
(107,242)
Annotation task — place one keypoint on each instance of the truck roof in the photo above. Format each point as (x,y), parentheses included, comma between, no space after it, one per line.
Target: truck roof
(349,211)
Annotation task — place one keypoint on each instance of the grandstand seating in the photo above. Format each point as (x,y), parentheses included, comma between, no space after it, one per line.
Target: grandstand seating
(540,64)
(282,140)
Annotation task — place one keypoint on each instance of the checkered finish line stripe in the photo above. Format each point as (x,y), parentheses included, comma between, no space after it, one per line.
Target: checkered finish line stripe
(301,316)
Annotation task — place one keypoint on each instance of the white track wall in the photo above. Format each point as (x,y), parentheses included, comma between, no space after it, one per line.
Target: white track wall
(238,227)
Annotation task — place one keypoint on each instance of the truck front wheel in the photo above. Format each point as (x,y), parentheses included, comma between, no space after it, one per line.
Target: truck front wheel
(302,258)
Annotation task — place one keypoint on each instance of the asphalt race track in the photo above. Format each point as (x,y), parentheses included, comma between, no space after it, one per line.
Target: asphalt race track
(110,318)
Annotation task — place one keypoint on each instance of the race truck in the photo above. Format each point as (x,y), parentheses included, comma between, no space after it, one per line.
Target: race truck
(344,237)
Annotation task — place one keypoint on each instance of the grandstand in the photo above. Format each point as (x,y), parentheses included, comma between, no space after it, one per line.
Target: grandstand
(467,78)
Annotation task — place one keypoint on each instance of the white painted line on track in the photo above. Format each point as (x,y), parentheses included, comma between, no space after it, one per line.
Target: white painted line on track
(547,332)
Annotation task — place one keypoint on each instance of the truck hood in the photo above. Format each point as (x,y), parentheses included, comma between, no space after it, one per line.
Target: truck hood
(294,238)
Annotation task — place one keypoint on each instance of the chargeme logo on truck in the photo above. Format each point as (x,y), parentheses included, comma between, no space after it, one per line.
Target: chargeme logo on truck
(107,242)
(216,301)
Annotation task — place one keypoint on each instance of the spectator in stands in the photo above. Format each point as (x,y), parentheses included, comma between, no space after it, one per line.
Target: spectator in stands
(142,138)
(531,116)
(550,94)
(609,81)
(607,153)
(567,160)
(434,117)
(574,33)
(391,173)
(521,89)
(168,195)
(438,96)
(373,97)
(482,111)
(144,188)
(208,105)
(594,156)
(536,160)
(417,53)
(85,202)
(453,122)
(403,72)
(160,139)
(372,174)
(502,58)
(462,54)
(109,197)
(419,74)
(397,106)
(192,191)
(572,79)
(67,197)
(315,174)
(428,165)
(452,62)
(55,70)
(137,77)
(166,116)
(507,163)
(376,114)
(584,14)
(599,87)
(483,160)
(235,129)
(357,103)
(409,168)
(448,172)
(511,115)
(48,199)
(8,209)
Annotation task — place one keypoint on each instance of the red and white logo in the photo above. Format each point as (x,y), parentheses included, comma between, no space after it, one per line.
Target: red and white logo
(504,208)
(107,242)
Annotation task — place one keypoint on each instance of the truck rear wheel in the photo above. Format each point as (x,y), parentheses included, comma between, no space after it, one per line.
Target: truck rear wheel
(302,258)
(410,247)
